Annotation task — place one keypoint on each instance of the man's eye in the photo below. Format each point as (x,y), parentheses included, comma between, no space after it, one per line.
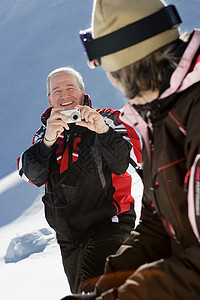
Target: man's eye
(56,92)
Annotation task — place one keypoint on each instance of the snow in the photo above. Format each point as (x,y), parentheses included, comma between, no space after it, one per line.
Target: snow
(10,181)
(39,277)
(30,260)
(36,37)
(26,244)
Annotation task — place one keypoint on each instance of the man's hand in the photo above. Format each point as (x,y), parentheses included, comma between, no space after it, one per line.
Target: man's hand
(92,119)
(55,125)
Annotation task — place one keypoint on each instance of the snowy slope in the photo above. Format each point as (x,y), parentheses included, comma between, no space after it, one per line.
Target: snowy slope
(39,276)
(30,260)
(36,37)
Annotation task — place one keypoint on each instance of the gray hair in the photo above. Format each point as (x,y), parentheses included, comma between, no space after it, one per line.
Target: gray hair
(67,70)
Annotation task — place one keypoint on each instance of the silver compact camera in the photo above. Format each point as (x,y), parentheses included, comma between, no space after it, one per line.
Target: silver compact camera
(74,115)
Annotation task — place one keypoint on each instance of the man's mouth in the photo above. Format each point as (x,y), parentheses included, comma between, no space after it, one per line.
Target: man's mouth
(67,103)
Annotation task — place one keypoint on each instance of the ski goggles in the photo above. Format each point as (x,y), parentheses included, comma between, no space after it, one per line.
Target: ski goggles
(165,19)
(86,37)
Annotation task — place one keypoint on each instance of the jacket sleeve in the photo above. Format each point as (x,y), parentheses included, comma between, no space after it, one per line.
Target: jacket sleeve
(143,266)
(34,162)
(115,150)
(147,243)
(170,278)
(119,144)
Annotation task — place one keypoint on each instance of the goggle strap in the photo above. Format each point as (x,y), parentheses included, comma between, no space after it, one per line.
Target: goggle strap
(164,19)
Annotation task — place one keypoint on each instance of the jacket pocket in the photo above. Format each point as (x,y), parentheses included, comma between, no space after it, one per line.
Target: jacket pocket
(69,193)
(56,214)
(168,185)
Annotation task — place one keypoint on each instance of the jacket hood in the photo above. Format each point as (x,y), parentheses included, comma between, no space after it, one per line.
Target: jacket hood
(185,75)
(187,72)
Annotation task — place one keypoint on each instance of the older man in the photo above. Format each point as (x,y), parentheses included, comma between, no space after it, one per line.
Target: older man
(83,165)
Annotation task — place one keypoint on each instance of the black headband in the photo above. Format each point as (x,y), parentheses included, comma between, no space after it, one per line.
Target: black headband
(164,19)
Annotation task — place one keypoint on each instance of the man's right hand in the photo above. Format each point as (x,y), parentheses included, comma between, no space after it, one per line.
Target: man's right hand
(55,126)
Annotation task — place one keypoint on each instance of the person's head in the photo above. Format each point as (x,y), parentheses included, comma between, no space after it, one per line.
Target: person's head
(65,88)
(134,42)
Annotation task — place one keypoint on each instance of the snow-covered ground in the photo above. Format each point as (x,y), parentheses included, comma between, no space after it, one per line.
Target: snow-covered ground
(36,37)
(30,261)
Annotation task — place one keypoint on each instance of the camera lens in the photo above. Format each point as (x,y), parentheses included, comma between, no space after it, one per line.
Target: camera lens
(75,117)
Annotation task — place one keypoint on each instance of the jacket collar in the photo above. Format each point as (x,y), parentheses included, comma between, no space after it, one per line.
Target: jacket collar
(185,75)
(187,72)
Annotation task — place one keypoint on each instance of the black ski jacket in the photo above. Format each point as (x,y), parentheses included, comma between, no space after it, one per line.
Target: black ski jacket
(84,175)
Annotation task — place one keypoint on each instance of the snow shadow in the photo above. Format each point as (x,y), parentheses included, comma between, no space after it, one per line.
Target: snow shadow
(23,246)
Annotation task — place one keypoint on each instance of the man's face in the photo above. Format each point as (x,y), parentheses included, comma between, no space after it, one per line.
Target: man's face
(65,91)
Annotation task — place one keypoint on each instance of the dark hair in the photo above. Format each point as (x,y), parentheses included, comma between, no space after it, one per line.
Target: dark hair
(148,73)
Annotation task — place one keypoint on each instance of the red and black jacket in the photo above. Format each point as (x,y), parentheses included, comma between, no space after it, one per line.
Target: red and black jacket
(85,175)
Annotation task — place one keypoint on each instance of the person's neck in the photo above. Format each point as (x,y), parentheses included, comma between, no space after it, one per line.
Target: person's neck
(145,97)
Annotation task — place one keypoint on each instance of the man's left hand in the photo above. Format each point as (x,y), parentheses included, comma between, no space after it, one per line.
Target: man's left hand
(92,120)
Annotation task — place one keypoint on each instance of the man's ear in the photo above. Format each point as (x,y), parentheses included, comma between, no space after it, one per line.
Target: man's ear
(50,102)
(83,96)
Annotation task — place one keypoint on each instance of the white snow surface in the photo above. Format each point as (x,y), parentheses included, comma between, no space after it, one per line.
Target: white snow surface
(30,260)
(36,37)
(10,181)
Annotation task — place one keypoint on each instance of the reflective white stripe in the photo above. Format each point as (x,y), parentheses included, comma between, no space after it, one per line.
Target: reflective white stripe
(25,178)
(110,123)
(39,134)
(118,128)
(115,219)
(75,154)
(59,157)
(127,139)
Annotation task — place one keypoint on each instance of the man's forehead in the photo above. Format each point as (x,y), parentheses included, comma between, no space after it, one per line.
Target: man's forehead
(66,78)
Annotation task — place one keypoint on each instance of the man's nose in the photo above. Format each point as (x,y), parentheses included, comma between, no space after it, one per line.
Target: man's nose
(64,93)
